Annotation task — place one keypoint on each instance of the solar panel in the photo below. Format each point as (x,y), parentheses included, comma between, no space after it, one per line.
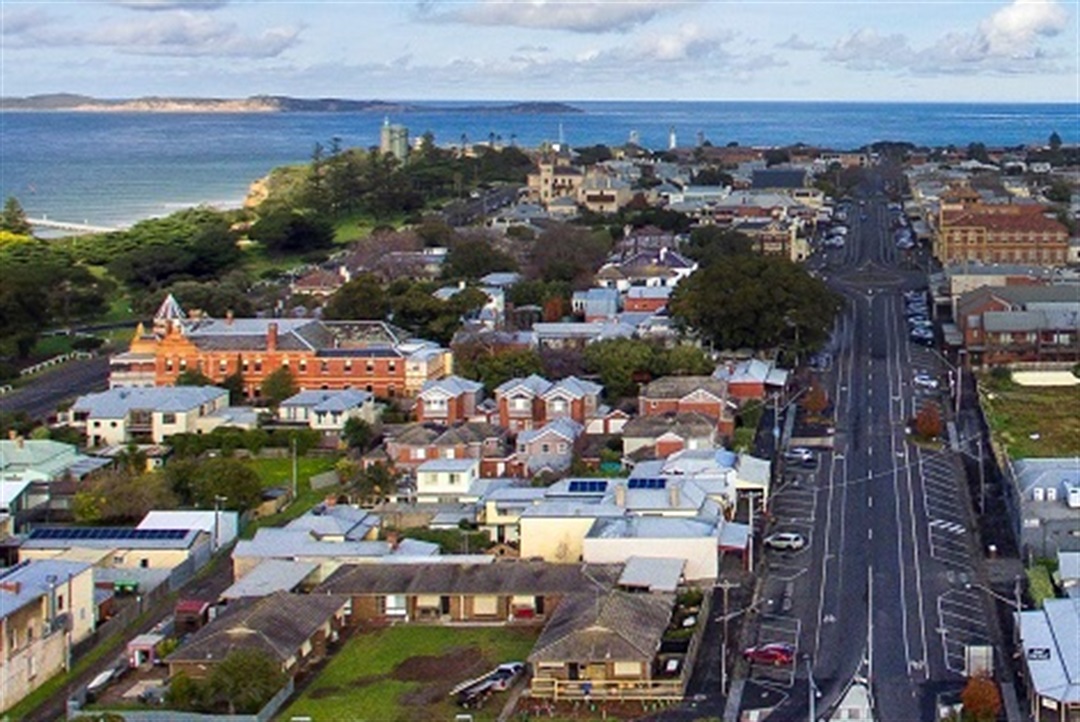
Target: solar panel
(647,484)
(587,486)
(117,533)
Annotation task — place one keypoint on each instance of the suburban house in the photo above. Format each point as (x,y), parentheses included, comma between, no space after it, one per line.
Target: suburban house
(496,592)
(603,645)
(368,355)
(271,576)
(659,267)
(407,447)
(448,401)
(686,394)
(123,415)
(46,606)
(327,411)
(1011,324)
(647,299)
(662,435)
(293,629)
(1049,492)
(1051,657)
(533,401)
(445,480)
(182,551)
(503,508)
(555,177)
(752,378)
(549,447)
(558,335)
(39,475)
(319,283)
(595,304)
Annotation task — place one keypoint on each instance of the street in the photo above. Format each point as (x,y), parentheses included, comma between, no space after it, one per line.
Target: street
(42,394)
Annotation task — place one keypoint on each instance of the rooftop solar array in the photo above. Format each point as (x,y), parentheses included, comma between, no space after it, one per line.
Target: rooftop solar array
(587,487)
(118,533)
(647,484)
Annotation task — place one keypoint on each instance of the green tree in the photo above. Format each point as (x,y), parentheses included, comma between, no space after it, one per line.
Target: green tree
(687,360)
(193,377)
(756,302)
(569,254)
(358,434)
(290,231)
(1055,141)
(230,478)
(492,368)
(712,244)
(361,298)
(234,384)
(278,386)
(620,363)
(121,495)
(474,258)
(244,681)
(13,218)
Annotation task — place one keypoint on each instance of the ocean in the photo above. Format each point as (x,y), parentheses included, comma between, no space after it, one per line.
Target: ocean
(112,169)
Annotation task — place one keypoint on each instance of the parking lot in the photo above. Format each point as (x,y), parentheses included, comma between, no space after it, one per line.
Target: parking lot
(944,513)
(961,623)
(776,629)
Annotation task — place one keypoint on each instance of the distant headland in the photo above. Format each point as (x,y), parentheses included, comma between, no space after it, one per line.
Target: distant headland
(261,104)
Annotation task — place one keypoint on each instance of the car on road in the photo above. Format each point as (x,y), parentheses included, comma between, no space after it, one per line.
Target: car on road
(785,541)
(505,675)
(925,380)
(922,336)
(774,653)
(799,454)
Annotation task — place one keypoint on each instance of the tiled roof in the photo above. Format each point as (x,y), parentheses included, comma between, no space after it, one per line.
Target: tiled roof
(684,425)
(600,627)
(676,387)
(277,624)
(1029,219)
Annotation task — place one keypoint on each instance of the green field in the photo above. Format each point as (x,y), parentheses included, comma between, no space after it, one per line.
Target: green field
(278,472)
(1034,421)
(401,674)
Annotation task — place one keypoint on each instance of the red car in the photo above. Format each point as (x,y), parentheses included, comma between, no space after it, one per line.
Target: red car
(776,653)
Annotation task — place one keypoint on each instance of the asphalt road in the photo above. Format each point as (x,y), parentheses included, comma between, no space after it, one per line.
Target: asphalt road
(42,395)
(880,591)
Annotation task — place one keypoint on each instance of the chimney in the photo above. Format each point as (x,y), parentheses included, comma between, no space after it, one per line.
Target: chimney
(393,539)
(9,586)
(271,336)
(19,442)
(620,495)
(673,495)
(11,434)
(330,501)
(228,317)
(663,253)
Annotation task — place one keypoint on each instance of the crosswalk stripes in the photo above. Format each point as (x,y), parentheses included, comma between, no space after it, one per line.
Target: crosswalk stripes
(949,526)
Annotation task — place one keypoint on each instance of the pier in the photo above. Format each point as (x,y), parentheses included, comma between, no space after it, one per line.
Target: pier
(77,228)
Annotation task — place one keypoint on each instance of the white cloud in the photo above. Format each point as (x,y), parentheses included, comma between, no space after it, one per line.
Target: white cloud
(1007,42)
(170,4)
(22,22)
(584,16)
(794,42)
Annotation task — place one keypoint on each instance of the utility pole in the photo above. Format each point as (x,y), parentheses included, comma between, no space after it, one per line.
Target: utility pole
(751,494)
(295,491)
(726,586)
(811,690)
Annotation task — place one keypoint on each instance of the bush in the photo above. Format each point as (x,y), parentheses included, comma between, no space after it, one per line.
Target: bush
(87,343)
(691,598)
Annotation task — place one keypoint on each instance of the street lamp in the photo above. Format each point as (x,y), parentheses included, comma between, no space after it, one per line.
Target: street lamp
(725,618)
(1015,602)
(813,694)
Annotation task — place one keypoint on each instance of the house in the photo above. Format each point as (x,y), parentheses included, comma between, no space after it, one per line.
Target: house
(661,435)
(271,576)
(555,177)
(1049,493)
(503,508)
(123,415)
(46,607)
(1051,657)
(448,401)
(327,410)
(1067,575)
(595,304)
(319,283)
(493,592)
(41,474)
(530,402)
(647,299)
(369,355)
(752,378)
(445,480)
(686,394)
(181,551)
(597,646)
(409,446)
(691,541)
(558,335)
(292,629)
(548,448)
(1020,323)
(661,267)
(222,526)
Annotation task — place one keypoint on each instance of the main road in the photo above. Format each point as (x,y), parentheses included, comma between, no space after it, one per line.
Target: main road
(880,592)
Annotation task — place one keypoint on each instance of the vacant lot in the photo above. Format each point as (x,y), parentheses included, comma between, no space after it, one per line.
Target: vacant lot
(401,674)
(1034,421)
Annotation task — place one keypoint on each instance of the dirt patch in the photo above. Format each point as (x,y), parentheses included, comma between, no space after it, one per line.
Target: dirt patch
(439,674)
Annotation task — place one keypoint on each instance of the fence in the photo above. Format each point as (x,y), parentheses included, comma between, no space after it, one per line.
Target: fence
(152,715)
(55,361)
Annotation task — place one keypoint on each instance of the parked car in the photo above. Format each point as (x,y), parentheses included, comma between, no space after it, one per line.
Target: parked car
(774,653)
(922,336)
(505,675)
(786,541)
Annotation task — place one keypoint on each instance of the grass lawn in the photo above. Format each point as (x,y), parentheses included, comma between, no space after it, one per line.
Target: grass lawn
(278,472)
(1016,412)
(400,674)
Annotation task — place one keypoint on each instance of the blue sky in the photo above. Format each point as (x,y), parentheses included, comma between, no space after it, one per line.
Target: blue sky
(1011,51)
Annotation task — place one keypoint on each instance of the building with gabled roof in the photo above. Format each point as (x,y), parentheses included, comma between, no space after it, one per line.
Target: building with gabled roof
(122,415)
(968,229)
(1051,654)
(685,394)
(292,629)
(448,400)
(328,410)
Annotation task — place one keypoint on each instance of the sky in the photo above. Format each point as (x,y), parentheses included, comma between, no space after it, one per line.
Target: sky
(870,50)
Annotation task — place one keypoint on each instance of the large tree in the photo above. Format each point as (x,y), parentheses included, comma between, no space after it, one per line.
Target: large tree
(225,477)
(361,298)
(290,231)
(756,302)
(13,218)
(278,386)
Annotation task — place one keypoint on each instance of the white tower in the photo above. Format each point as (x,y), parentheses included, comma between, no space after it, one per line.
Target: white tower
(671,143)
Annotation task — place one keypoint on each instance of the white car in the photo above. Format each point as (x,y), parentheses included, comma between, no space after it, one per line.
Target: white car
(785,540)
(799,454)
(925,380)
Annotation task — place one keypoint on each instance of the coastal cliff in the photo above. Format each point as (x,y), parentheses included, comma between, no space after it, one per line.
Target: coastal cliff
(258,104)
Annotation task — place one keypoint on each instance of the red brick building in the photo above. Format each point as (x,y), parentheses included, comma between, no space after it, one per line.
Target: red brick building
(969,230)
(1014,324)
(689,394)
(448,401)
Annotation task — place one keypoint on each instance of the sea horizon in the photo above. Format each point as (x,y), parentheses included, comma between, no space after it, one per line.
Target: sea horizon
(114,168)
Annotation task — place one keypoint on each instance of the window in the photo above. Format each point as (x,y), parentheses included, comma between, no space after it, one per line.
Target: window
(183,364)
(545,448)
(303,365)
(324,367)
(1051,494)
(168,418)
(392,366)
(419,453)
(223,365)
(258,365)
(244,365)
(558,405)
(562,447)
(371,367)
(59,602)
(1037,494)
(627,669)
(348,365)
(520,403)
(485,605)
(453,479)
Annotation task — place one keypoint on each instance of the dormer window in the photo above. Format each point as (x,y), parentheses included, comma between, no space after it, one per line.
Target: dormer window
(520,403)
